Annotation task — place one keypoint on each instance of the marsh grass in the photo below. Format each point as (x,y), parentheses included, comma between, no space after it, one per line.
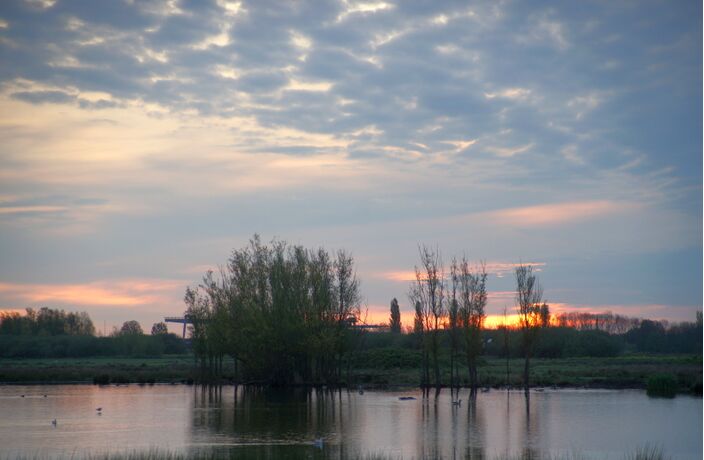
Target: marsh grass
(645,452)
(662,385)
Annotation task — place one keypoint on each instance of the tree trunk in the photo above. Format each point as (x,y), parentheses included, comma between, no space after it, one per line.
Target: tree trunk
(526,373)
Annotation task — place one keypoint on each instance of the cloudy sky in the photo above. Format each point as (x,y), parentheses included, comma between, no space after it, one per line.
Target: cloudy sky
(142,140)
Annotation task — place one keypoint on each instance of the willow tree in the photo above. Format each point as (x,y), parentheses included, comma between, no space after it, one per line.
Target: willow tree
(529,295)
(284,313)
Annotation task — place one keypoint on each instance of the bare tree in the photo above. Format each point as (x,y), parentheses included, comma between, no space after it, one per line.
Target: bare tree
(472,305)
(529,295)
(507,337)
(453,313)
(429,290)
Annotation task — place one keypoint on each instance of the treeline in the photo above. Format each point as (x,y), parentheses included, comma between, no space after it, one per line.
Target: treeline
(284,313)
(52,333)
(46,321)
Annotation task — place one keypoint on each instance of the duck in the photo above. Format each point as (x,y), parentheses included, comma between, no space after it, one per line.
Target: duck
(53,422)
(457,403)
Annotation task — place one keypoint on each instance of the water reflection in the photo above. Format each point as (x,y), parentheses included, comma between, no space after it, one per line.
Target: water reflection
(270,422)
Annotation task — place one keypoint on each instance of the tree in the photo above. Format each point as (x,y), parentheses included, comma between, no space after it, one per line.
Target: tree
(46,321)
(429,290)
(506,335)
(472,305)
(545,315)
(395,318)
(529,295)
(285,314)
(160,328)
(453,321)
(131,328)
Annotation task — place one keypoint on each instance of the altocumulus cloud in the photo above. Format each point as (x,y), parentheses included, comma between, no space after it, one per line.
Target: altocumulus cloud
(542,131)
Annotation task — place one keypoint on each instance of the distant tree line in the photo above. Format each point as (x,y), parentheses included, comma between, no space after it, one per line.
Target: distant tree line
(284,313)
(53,333)
(46,321)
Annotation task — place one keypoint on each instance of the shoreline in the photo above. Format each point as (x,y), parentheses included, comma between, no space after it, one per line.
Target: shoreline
(617,373)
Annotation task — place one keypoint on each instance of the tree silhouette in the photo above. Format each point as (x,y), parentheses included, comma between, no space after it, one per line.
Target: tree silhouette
(529,295)
(160,328)
(131,328)
(395,318)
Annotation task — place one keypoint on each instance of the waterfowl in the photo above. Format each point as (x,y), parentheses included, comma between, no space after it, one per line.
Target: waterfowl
(318,443)
(457,403)
(53,422)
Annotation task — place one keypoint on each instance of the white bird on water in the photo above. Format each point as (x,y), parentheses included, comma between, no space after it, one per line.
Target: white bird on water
(318,443)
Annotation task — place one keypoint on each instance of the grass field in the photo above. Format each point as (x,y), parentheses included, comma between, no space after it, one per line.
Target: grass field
(170,368)
(387,369)
(631,371)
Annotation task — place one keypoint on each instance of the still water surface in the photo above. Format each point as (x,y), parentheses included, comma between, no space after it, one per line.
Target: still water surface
(594,423)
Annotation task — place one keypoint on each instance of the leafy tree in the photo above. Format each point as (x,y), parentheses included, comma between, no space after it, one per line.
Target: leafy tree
(160,328)
(46,321)
(131,327)
(284,313)
(395,318)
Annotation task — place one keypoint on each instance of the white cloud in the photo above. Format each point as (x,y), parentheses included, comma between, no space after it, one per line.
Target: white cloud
(507,152)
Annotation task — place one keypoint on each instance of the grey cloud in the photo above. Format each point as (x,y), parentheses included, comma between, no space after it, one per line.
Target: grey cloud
(39,97)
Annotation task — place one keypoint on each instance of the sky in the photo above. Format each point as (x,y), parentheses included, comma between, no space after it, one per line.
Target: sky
(142,141)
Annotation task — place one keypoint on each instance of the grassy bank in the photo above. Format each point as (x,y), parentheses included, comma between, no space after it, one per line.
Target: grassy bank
(382,368)
(631,371)
(167,369)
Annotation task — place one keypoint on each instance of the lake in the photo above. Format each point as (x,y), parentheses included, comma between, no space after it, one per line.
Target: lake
(266,422)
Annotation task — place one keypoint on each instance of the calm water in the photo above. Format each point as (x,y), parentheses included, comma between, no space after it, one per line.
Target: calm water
(600,424)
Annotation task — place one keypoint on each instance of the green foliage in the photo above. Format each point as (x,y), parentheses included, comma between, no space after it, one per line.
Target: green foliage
(386,358)
(160,328)
(663,385)
(46,321)
(653,337)
(131,328)
(84,346)
(285,313)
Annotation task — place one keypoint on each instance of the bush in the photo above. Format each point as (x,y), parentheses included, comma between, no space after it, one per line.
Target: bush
(662,385)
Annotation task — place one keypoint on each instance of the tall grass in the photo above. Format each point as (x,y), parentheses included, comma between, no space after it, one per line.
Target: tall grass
(645,452)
